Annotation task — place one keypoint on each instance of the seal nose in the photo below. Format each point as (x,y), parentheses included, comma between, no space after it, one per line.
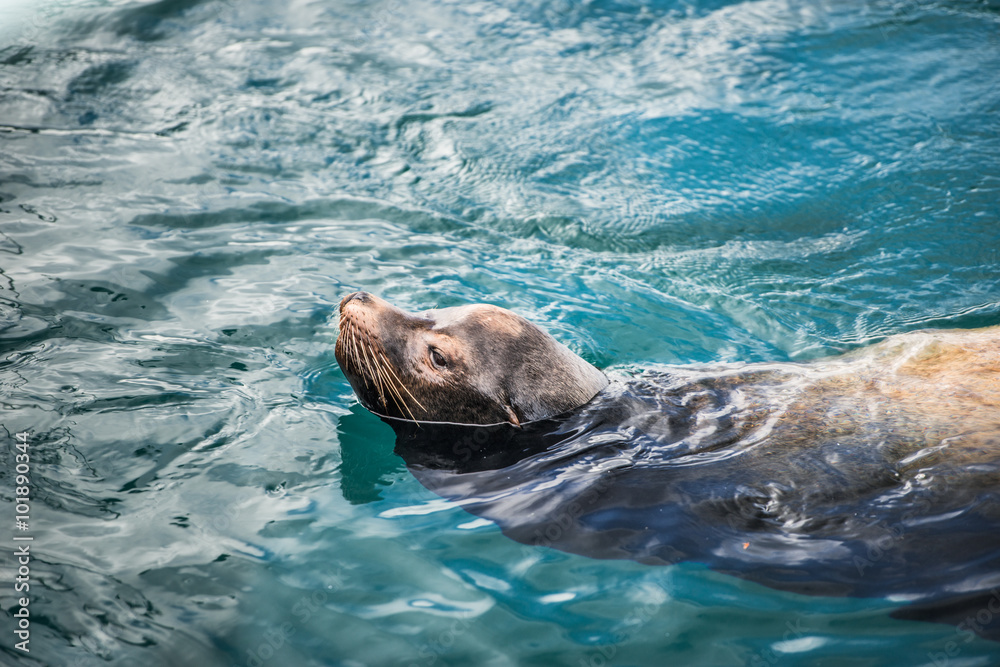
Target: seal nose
(363,297)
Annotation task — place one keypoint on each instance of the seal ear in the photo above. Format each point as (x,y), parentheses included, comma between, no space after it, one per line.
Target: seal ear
(512,416)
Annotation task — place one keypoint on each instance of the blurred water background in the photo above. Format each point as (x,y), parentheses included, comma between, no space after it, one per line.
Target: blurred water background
(188,187)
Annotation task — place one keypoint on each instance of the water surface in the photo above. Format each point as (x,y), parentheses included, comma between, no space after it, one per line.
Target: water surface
(187,188)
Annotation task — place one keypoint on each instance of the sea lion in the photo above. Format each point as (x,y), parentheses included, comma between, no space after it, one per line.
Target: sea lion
(874,474)
(475,364)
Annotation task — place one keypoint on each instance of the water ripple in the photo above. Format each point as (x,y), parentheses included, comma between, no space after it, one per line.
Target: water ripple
(188,188)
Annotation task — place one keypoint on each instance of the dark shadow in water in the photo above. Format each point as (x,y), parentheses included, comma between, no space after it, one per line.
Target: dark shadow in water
(145,23)
(365,467)
(656,472)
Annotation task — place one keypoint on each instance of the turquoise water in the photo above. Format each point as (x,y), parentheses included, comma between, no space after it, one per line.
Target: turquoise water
(188,188)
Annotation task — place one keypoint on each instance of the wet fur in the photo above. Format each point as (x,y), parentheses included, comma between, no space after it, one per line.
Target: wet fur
(501,368)
(875,473)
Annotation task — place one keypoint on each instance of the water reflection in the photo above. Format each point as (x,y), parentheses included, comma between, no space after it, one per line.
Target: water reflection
(705,468)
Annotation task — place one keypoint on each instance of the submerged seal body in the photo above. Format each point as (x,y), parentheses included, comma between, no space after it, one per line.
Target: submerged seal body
(872,474)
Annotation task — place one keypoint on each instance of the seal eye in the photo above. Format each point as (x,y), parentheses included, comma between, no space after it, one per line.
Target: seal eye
(438,359)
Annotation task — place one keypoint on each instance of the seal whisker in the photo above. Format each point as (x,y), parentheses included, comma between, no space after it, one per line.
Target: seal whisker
(355,354)
(400,383)
(384,369)
(376,376)
(365,358)
(383,381)
(397,397)
(350,347)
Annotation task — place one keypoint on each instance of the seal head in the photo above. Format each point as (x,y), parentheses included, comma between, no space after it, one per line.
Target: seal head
(475,364)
